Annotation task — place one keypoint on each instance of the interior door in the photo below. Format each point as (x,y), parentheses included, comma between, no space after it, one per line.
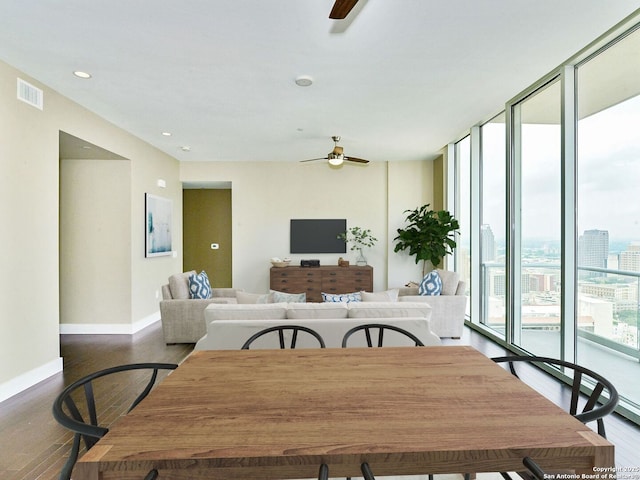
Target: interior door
(207,233)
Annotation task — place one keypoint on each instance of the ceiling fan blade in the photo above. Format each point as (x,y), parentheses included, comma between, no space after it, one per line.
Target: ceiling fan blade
(341,9)
(355,159)
(314,159)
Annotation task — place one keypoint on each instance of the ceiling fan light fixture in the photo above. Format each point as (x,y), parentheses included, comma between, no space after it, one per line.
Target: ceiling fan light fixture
(335,159)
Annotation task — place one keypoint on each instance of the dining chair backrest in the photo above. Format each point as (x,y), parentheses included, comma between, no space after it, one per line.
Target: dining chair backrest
(596,404)
(281,330)
(75,407)
(381,328)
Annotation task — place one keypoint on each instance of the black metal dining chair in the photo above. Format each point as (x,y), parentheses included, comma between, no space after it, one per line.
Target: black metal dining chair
(596,405)
(534,469)
(323,472)
(600,402)
(152,475)
(281,330)
(75,408)
(381,328)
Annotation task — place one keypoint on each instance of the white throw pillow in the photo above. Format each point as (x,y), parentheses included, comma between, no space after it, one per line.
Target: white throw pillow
(249,298)
(386,296)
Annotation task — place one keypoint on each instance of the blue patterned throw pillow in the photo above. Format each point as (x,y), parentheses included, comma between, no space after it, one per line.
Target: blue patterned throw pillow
(199,286)
(431,284)
(341,297)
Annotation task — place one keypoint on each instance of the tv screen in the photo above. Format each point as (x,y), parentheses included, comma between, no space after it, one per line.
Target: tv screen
(317,236)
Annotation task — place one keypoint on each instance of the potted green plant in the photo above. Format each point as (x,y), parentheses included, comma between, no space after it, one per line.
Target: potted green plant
(429,235)
(359,238)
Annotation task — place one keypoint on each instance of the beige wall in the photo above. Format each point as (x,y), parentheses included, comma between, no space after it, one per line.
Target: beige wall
(266,195)
(95,243)
(29,206)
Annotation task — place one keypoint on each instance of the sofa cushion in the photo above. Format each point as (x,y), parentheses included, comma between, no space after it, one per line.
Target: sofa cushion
(431,284)
(179,285)
(279,297)
(386,296)
(317,310)
(230,311)
(248,298)
(449,281)
(341,297)
(199,286)
(389,309)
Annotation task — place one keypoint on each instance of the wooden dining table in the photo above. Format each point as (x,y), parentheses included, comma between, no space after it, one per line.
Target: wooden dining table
(279,414)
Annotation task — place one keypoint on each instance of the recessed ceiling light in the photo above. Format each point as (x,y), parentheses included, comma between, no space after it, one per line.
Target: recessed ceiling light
(185,148)
(304,81)
(166,134)
(81,74)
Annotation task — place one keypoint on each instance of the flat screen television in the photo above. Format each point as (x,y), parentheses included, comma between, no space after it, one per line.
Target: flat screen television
(317,235)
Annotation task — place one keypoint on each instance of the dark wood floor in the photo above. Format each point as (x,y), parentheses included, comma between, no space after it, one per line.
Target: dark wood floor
(33,446)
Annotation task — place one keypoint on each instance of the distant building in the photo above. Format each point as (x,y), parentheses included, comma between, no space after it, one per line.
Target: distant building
(593,250)
(630,259)
(488,240)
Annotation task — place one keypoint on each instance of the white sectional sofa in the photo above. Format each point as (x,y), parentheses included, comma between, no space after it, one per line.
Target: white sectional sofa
(183,317)
(229,325)
(448,309)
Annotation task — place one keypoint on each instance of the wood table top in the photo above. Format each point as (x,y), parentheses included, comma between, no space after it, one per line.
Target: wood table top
(281,413)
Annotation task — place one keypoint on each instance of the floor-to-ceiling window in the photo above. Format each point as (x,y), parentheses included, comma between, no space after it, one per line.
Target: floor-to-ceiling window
(463,211)
(537,185)
(493,198)
(608,222)
(550,224)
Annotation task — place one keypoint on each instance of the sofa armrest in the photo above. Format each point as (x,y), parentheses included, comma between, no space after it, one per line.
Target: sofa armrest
(183,320)
(447,313)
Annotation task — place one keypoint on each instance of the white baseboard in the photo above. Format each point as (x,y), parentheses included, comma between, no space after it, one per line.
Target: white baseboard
(108,328)
(29,379)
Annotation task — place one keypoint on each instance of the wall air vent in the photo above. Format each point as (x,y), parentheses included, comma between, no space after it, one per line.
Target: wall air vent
(30,94)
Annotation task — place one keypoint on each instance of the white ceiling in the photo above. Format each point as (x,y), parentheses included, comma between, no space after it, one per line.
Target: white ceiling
(397,79)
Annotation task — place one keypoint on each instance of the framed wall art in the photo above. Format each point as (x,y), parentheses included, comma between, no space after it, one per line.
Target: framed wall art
(158,228)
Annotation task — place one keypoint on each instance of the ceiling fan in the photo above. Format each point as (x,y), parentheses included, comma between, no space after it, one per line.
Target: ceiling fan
(337,156)
(341,9)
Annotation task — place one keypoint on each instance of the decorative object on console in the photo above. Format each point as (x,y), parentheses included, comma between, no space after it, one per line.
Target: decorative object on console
(430,235)
(359,239)
(342,262)
(199,286)
(280,262)
(431,284)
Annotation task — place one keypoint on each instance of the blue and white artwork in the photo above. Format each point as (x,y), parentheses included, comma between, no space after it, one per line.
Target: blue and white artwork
(158,225)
